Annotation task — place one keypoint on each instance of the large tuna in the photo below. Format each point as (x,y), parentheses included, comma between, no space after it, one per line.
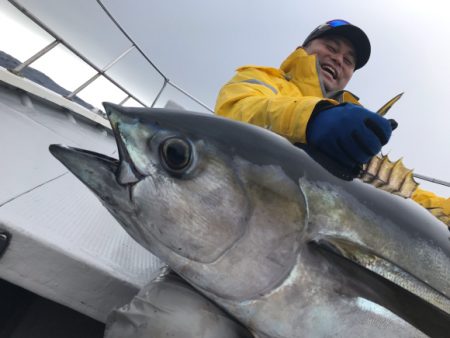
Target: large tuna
(267,234)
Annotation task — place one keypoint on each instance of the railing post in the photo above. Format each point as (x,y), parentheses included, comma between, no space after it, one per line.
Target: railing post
(160,92)
(121,103)
(36,56)
(101,72)
(190,96)
(431,179)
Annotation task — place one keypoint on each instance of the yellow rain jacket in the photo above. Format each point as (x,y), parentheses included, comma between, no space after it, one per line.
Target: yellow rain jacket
(283,100)
(280,99)
(438,206)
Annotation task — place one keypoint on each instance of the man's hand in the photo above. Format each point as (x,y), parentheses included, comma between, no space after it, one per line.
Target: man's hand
(348,133)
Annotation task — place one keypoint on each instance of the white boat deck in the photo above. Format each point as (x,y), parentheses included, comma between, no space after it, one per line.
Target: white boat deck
(65,246)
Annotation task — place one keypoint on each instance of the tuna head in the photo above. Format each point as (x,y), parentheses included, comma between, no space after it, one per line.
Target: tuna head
(199,192)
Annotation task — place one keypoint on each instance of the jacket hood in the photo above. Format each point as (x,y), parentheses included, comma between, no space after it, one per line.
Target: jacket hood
(301,68)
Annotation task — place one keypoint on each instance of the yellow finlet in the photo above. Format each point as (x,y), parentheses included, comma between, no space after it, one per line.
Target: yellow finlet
(390,176)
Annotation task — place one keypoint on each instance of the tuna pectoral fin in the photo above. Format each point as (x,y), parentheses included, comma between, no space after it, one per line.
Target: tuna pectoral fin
(169,307)
(381,281)
(96,171)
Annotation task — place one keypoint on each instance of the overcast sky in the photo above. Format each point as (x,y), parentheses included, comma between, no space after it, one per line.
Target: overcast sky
(198,44)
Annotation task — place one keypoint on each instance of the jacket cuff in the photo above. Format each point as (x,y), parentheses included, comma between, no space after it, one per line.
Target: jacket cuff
(319,107)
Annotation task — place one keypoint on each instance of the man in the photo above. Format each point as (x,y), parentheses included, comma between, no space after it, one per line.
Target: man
(305,101)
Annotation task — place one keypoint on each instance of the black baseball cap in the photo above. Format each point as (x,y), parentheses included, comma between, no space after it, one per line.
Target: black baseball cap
(354,34)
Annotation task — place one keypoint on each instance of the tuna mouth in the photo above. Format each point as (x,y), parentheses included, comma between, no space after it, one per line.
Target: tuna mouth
(98,172)
(61,151)
(128,173)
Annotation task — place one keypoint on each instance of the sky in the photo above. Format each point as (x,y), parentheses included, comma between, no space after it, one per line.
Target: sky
(198,44)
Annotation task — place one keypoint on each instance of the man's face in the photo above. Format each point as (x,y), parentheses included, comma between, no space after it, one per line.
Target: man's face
(336,57)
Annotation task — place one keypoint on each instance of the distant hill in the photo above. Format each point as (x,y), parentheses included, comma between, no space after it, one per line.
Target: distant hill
(9,62)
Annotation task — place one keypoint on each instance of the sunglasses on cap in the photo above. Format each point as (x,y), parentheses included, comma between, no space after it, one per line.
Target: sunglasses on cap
(328,25)
(337,23)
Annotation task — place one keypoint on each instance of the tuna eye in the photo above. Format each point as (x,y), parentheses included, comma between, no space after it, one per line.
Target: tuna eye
(175,154)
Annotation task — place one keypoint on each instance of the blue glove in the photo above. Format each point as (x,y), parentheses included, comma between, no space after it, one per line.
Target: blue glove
(348,133)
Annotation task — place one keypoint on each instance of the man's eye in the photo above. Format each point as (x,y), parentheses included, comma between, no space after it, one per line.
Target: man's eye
(331,48)
(349,61)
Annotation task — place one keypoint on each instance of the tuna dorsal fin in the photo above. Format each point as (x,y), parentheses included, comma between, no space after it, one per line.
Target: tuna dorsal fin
(385,108)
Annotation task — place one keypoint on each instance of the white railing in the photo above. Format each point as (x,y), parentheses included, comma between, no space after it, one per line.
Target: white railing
(103,71)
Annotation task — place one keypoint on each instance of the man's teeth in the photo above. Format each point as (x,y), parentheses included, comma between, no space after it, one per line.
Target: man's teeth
(330,70)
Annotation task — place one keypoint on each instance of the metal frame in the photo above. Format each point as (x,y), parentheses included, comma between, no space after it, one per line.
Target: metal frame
(167,80)
(67,45)
(100,72)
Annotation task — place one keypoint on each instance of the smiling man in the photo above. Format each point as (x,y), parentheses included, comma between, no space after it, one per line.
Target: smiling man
(337,60)
(304,100)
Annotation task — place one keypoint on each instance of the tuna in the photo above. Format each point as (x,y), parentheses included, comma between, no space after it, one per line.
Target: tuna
(257,226)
